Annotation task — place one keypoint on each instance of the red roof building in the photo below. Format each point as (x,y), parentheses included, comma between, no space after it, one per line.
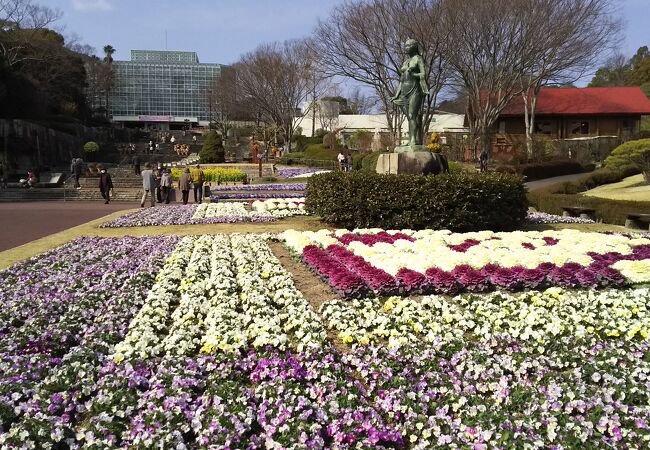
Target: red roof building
(579,112)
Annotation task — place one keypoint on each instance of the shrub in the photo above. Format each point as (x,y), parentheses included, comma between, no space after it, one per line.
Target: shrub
(632,153)
(369,162)
(357,159)
(455,167)
(597,178)
(459,202)
(292,158)
(91,147)
(320,151)
(212,151)
(549,169)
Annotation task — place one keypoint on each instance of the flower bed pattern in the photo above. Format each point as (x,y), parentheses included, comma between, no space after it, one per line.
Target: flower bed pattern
(221,351)
(558,369)
(188,215)
(408,262)
(542,217)
(242,196)
(278,207)
(62,313)
(299,172)
(262,187)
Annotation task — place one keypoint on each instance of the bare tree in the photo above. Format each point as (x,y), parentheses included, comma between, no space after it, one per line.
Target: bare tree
(277,79)
(583,30)
(19,21)
(361,102)
(489,48)
(328,113)
(363,41)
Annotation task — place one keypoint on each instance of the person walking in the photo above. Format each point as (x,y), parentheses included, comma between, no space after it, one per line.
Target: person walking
(184,184)
(197,179)
(159,173)
(148,185)
(166,185)
(105,184)
(341,159)
(136,165)
(75,170)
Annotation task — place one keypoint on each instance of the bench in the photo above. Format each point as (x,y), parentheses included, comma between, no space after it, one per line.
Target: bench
(641,221)
(50,179)
(579,211)
(46,179)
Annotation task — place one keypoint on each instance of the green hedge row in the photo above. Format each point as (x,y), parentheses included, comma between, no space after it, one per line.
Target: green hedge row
(609,211)
(547,169)
(597,178)
(458,201)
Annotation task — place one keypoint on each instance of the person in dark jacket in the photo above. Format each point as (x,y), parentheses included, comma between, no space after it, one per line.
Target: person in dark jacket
(105,184)
(136,165)
(76,168)
(184,184)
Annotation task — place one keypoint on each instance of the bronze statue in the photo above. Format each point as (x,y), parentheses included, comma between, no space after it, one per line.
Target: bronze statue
(412,90)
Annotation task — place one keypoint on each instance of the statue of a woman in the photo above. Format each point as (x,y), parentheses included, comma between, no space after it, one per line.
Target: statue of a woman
(412,90)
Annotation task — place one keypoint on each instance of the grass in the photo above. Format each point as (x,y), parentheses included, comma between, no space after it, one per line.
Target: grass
(630,189)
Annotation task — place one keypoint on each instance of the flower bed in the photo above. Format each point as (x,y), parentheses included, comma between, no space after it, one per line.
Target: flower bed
(278,207)
(220,350)
(542,217)
(408,262)
(216,174)
(243,196)
(299,172)
(188,215)
(62,313)
(261,187)
(558,369)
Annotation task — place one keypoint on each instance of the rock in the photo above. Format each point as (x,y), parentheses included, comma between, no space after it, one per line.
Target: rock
(413,163)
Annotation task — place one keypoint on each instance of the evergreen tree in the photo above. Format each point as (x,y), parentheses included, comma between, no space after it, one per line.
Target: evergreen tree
(212,151)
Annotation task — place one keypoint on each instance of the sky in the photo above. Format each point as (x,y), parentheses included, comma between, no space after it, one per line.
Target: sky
(220,31)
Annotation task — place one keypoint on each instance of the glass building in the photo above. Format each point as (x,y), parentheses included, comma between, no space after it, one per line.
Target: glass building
(165,89)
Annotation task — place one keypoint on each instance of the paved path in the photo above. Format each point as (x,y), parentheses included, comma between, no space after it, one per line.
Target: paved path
(540,184)
(24,222)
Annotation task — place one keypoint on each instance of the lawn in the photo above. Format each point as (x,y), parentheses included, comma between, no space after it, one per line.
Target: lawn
(632,188)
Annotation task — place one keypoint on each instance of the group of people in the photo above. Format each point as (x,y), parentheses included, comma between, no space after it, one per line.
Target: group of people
(157,184)
(182,149)
(345,161)
(129,149)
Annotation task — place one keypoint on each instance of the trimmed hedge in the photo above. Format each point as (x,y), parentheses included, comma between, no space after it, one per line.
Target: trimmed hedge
(458,202)
(542,170)
(610,211)
(597,178)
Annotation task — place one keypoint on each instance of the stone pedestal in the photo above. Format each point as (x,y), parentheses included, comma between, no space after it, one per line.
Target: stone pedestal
(409,162)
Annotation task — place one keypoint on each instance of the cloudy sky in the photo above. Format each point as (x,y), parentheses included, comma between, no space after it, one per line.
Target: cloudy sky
(221,30)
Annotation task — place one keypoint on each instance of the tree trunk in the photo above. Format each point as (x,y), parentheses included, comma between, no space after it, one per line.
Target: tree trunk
(530,104)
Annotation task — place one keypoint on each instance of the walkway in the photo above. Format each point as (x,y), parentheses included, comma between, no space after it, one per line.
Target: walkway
(24,222)
(540,184)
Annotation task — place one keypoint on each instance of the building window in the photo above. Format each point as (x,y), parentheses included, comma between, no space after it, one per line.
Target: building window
(545,127)
(628,126)
(581,127)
